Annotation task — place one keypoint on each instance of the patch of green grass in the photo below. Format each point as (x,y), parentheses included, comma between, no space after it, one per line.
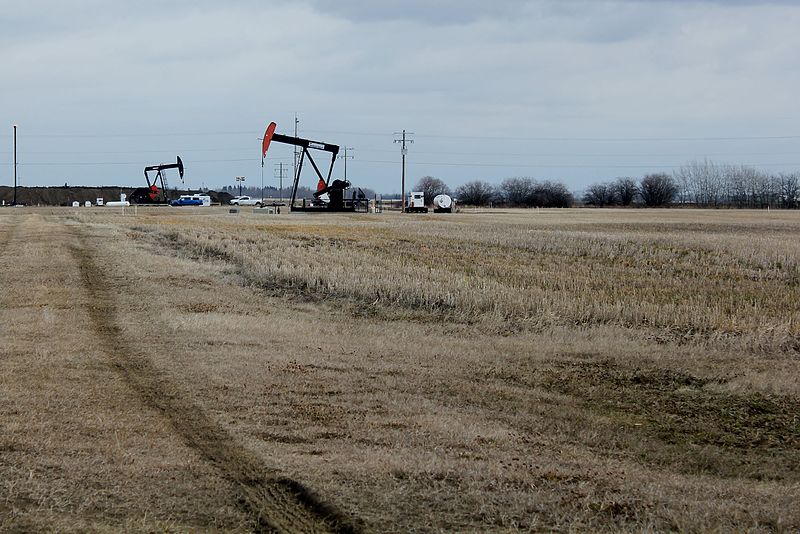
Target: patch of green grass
(672,418)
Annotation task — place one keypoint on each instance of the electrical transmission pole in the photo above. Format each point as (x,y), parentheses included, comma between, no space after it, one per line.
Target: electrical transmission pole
(403,152)
(345,157)
(296,154)
(262,178)
(279,171)
(15,164)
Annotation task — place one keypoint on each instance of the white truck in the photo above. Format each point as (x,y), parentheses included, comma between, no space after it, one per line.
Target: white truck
(415,202)
(246,201)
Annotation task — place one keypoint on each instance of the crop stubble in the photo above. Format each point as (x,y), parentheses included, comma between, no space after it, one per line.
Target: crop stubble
(550,371)
(272,502)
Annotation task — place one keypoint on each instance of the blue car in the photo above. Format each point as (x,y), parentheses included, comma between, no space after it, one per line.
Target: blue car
(191,200)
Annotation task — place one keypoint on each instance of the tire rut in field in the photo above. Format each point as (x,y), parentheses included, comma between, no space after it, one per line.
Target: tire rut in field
(7,232)
(276,504)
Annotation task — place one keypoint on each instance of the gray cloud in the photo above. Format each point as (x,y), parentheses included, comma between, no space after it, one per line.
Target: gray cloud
(427,12)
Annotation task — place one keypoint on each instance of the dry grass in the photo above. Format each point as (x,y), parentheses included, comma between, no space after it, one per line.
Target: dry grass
(686,280)
(553,370)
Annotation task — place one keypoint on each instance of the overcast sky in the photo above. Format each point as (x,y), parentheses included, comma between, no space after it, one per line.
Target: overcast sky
(576,91)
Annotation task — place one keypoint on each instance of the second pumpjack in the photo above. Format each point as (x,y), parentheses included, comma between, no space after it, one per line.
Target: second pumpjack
(152,194)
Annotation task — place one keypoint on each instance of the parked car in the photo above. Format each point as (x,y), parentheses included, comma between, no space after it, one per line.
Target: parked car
(245,201)
(191,200)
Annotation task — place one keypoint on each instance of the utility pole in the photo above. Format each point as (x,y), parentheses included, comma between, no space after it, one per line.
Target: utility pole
(15,165)
(345,157)
(403,151)
(296,155)
(279,171)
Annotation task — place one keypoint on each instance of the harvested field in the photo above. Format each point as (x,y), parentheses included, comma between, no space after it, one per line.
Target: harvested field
(552,370)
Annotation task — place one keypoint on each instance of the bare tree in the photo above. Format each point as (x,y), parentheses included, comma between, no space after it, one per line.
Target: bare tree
(625,190)
(789,187)
(765,190)
(431,187)
(475,193)
(736,186)
(701,182)
(600,194)
(658,189)
(755,189)
(516,191)
(549,194)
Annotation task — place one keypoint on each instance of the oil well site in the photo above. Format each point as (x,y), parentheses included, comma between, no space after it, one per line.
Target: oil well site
(400,267)
(334,362)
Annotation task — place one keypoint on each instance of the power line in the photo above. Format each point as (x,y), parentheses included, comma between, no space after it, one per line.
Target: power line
(94,163)
(106,135)
(615,139)
(437,152)
(564,166)
(589,154)
(415,163)
(684,155)
(342,132)
(144,151)
(566,138)
(430,135)
(418,163)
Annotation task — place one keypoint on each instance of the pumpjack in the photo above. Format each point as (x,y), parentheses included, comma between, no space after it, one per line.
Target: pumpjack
(330,195)
(152,194)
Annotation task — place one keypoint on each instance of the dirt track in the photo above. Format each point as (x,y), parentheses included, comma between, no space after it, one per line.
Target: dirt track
(271,502)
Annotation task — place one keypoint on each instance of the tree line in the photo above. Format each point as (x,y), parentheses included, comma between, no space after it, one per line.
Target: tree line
(702,184)
(652,190)
(512,192)
(657,189)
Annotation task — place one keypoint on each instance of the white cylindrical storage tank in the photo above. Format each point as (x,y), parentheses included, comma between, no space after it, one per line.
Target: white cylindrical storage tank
(122,203)
(442,203)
